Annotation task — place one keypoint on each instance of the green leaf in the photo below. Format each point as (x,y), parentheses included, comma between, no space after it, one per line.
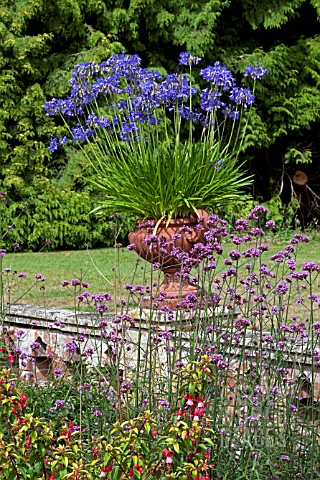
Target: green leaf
(192,387)
(116,473)
(209,441)
(12,475)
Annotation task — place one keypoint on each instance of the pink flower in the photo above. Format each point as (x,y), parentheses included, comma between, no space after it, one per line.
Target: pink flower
(201,402)
(104,470)
(189,400)
(168,455)
(10,357)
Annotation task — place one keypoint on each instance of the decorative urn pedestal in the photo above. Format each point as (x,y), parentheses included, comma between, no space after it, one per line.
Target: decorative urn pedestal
(166,248)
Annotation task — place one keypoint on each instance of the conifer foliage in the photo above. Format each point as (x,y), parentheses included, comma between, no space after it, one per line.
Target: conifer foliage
(41,40)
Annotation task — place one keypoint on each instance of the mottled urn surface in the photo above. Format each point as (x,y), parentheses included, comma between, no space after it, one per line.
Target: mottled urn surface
(164,248)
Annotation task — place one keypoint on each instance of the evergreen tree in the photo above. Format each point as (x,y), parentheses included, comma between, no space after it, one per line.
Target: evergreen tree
(41,40)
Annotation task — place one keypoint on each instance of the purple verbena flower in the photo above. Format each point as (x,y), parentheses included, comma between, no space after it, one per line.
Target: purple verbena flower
(35,346)
(59,403)
(71,347)
(281,288)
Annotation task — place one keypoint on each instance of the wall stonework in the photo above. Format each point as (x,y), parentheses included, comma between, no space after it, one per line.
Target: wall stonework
(51,329)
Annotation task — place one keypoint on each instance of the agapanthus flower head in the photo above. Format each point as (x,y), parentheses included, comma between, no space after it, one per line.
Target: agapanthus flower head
(54,144)
(218,75)
(186,58)
(242,96)
(256,72)
(117,108)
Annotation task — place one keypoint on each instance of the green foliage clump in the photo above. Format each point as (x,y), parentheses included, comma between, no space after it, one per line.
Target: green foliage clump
(42,40)
(34,448)
(29,447)
(60,219)
(33,64)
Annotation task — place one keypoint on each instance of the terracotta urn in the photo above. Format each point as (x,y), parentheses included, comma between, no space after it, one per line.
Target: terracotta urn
(164,248)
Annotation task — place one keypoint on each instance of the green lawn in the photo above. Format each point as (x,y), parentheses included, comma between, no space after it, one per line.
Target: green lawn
(102,269)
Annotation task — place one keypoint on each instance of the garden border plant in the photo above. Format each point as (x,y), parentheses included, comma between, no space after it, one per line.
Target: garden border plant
(159,148)
(227,359)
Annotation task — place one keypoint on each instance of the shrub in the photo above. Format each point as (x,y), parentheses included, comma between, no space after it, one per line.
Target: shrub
(61,216)
(230,376)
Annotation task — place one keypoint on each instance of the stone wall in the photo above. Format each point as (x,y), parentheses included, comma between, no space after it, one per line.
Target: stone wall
(50,330)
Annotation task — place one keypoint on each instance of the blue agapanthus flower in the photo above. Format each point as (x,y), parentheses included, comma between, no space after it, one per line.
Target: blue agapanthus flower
(256,72)
(218,76)
(242,96)
(119,100)
(186,58)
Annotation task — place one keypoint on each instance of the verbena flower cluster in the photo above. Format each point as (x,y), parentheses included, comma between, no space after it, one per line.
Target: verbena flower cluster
(227,385)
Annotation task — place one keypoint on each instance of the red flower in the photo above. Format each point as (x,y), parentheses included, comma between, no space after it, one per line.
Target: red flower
(201,402)
(198,412)
(95,451)
(154,432)
(67,431)
(190,399)
(10,357)
(24,398)
(108,468)
(105,470)
(181,413)
(139,468)
(168,455)
(23,402)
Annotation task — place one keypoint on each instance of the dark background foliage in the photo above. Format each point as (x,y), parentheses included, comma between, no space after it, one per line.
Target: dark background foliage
(41,40)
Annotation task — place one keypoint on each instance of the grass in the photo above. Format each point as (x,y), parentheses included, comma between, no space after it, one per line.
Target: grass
(102,269)
(106,270)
